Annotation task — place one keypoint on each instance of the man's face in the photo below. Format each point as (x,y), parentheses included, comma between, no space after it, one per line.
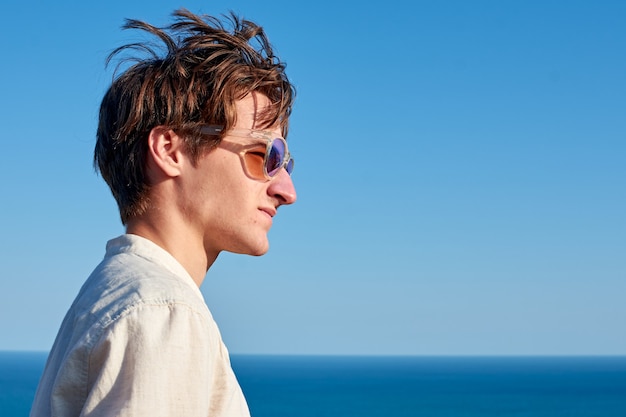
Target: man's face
(228,208)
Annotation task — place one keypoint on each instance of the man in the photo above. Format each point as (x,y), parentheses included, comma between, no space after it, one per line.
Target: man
(191,145)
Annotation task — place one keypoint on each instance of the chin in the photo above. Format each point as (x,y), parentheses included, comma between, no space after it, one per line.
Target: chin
(259,249)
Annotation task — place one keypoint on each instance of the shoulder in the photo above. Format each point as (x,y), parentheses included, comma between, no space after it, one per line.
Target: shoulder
(136,272)
(127,288)
(135,283)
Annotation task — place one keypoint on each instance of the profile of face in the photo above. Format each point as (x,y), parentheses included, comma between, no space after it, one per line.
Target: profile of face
(226,201)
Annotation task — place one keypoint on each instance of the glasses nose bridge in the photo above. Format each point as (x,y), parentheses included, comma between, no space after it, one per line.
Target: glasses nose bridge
(289,164)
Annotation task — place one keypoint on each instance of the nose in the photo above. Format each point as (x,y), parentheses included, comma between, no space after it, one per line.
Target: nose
(281,187)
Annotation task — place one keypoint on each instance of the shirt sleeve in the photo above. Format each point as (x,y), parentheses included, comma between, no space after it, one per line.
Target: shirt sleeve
(156,360)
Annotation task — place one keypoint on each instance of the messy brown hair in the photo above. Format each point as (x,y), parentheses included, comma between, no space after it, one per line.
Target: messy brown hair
(204,70)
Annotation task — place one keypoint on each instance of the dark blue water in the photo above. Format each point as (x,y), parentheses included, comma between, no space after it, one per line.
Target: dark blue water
(19,375)
(303,386)
(434,386)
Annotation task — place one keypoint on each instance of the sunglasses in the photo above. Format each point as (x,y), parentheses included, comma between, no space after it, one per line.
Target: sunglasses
(261,160)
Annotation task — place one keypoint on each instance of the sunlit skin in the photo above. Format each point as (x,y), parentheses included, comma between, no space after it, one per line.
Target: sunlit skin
(197,211)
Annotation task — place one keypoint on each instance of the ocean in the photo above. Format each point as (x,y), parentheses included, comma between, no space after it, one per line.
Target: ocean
(334,386)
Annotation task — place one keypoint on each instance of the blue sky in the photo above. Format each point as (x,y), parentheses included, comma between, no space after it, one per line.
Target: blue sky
(461,170)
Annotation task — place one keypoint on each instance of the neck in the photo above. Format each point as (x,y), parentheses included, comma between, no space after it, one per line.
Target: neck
(173,236)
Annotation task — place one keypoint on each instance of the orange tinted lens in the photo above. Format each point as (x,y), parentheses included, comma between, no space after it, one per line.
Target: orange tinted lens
(254,159)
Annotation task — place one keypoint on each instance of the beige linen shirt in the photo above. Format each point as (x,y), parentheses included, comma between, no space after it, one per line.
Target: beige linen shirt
(139,340)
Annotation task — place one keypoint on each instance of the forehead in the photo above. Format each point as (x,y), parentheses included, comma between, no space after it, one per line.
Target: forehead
(250,110)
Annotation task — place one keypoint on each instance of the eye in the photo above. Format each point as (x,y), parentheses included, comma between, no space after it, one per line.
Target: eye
(260,154)
(256,153)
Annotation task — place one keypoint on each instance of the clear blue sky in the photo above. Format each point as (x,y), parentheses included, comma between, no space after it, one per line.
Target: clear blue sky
(461,169)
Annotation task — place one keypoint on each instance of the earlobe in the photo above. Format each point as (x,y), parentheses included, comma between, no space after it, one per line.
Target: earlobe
(164,151)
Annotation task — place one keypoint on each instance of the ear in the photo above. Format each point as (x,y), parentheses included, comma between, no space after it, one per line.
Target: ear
(165,152)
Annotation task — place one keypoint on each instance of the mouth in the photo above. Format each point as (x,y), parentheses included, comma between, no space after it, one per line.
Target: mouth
(271,212)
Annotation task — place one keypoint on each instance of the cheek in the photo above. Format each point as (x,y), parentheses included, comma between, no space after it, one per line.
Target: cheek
(225,184)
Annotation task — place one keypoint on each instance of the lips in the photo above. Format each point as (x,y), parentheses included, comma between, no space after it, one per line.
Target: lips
(270,211)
